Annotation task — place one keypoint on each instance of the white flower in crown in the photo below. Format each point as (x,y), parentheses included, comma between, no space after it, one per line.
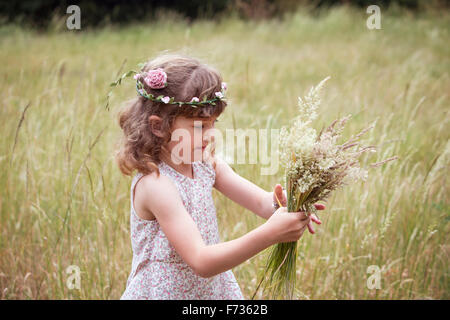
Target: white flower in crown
(166,99)
(195,99)
(219,95)
(224,86)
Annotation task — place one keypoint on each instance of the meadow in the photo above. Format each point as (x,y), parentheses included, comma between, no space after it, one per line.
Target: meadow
(63,201)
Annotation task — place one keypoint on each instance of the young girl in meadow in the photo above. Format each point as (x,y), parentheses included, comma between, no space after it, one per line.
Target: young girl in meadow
(177,253)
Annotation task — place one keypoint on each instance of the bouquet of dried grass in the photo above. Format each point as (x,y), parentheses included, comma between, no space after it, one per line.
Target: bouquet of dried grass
(315,165)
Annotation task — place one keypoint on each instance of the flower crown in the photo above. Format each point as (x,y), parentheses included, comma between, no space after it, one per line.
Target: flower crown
(157,79)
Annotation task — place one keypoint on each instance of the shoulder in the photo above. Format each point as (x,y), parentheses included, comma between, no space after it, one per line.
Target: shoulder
(219,166)
(158,183)
(153,189)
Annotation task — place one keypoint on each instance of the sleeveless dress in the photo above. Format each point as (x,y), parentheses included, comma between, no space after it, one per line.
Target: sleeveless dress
(158,271)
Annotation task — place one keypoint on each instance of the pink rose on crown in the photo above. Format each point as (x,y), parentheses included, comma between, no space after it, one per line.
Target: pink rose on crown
(156,79)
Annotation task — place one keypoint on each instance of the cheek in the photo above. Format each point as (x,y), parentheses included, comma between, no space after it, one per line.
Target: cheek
(183,139)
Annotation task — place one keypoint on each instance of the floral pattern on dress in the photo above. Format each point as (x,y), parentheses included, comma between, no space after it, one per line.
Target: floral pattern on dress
(157,271)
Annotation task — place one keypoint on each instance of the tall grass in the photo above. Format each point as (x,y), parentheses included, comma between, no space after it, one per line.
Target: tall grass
(63,201)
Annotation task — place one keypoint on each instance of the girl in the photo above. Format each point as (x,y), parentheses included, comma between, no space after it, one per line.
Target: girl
(177,253)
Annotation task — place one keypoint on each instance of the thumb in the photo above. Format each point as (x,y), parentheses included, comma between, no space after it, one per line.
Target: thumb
(278,194)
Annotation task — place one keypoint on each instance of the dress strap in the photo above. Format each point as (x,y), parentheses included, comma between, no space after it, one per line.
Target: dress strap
(208,170)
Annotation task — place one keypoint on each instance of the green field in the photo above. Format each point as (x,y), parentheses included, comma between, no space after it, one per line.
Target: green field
(64,202)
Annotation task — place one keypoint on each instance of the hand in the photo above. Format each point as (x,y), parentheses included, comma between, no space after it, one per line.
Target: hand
(281,194)
(284,226)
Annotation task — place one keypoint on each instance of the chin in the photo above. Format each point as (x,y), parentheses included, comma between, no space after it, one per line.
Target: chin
(199,156)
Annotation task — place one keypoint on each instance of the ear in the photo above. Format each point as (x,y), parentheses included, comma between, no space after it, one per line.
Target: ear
(155,125)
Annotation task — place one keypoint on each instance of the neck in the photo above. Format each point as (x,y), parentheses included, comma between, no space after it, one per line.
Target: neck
(183,168)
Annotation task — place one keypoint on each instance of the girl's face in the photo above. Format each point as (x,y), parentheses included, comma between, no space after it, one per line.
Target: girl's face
(190,136)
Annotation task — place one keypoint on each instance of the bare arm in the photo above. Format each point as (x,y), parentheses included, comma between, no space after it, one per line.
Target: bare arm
(160,196)
(242,191)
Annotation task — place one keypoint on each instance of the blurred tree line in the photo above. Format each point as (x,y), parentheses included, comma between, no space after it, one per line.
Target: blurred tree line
(40,13)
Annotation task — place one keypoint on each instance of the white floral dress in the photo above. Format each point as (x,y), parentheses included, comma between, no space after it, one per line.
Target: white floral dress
(157,271)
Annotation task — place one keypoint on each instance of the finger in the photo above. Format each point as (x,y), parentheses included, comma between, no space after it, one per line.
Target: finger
(319,206)
(310,228)
(278,194)
(302,216)
(302,229)
(304,225)
(315,219)
(301,232)
(284,197)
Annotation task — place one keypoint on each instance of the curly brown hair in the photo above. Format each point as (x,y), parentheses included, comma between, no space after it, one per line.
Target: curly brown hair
(187,77)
